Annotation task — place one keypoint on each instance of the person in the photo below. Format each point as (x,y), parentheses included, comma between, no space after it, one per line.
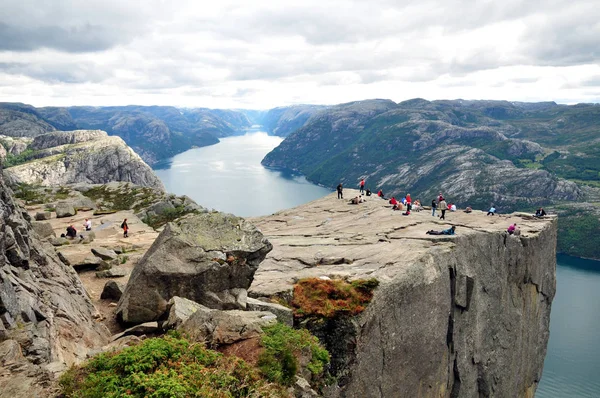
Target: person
(417,206)
(354,200)
(440,197)
(362,186)
(71,232)
(452,207)
(393,201)
(403,201)
(340,189)
(443,207)
(469,209)
(491,211)
(540,212)
(511,229)
(433,207)
(125,228)
(449,231)
(368,192)
(380,194)
(87,224)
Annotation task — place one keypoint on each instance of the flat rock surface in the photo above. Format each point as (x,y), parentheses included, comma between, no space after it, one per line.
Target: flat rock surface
(329,237)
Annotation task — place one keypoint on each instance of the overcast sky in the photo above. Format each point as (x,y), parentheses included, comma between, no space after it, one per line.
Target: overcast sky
(261,54)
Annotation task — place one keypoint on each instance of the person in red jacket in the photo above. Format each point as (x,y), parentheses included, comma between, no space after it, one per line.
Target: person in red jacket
(408,203)
(362,186)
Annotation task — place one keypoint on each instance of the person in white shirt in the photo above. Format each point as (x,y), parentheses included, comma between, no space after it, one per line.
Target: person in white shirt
(87,224)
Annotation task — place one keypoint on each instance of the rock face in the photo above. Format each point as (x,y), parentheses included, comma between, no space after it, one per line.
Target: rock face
(45,313)
(82,156)
(453,316)
(208,258)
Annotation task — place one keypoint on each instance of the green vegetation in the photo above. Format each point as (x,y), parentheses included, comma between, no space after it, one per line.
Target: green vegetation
(15,160)
(283,346)
(30,194)
(329,298)
(577,231)
(167,367)
(166,216)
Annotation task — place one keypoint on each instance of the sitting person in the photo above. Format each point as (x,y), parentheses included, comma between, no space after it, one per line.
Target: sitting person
(452,207)
(514,230)
(491,211)
(449,231)
(71,232)
(469,209)
(368,192)
(361,199)
(393,201)
(87,224)
(355,200)
(417,205)
(380,194)
(540,212)
(403,200)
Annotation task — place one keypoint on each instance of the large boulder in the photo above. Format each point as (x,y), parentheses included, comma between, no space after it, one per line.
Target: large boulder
(112,291)
(208,258)
(216,327)
(43,229)
(180,309)
(104,253)
(43,215)
(65,209)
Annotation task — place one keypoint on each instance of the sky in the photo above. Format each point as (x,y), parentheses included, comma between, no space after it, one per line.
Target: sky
(262,54)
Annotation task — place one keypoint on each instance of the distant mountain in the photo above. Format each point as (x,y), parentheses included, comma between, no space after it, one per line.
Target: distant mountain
(284,120)
(515,155)
(154,132)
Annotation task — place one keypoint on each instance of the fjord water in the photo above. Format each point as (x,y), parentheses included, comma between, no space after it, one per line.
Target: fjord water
(228,177)
(572,366)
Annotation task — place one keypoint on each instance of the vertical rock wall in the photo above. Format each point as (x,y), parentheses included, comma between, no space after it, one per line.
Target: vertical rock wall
(469,320)
(46,317)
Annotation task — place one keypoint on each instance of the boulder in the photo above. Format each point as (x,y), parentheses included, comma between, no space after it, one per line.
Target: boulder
(111,273)
(64,209)
(43,229)
(180,309)
(112,291)
(138,330)
(88,263)
(43,215)
(284,314)
(59,241)
(225,327)
(104,254)
(209,258)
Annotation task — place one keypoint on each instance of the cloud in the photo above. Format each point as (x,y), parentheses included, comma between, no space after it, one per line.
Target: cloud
(271,53)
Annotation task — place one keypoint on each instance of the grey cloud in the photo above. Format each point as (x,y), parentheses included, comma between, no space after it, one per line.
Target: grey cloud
(76,72)
(593,81)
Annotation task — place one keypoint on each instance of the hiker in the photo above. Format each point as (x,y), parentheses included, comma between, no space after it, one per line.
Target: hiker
(340,188)
(393,201)
(452,207)
(87,224)
(440,197)
(408,203)
(449,231)
(513,230)
(380,194)
(417,206)
(540,213)
(362,186)
(125,228)
(469,209)
(491,211)
(368,192)
(71,232)
(443,207)
(433,207)
(403,201)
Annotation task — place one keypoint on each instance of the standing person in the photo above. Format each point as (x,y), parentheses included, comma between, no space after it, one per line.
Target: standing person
(491,211)
(408,203)
(125,228)
(433,207)
(362,186)
(443,207)
(440,197)
(340,189)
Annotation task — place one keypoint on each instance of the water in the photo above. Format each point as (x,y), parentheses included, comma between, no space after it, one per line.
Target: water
(228,177)
(572,366)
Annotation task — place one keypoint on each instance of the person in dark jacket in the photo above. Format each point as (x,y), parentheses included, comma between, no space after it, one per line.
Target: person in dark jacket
(125,228)
(449,231)
(433,207)
(340,189)
(71,232)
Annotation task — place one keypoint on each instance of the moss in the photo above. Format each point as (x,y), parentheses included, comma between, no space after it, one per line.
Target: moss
(30,194)
(329,298)
(283,346)
(168,366)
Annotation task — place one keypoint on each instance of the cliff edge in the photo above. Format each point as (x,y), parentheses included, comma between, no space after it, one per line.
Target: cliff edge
(454,316)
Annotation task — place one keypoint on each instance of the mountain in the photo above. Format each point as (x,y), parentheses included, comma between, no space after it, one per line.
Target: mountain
(68,157)
(517,156)
(284,120)
(154,132)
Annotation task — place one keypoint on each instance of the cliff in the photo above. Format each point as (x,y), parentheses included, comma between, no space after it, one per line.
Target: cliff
(68,157)
(46,317)
(454,316)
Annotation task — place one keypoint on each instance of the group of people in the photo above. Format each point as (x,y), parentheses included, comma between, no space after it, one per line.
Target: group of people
(87,226)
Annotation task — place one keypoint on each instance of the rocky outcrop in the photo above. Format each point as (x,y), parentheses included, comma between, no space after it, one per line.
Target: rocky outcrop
(285,120)
(82,156)
(453,316)
(208,258)
(46,318)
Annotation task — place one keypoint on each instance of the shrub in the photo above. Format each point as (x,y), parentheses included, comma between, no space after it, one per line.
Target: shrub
(283,346)
(329,298)
(167,366)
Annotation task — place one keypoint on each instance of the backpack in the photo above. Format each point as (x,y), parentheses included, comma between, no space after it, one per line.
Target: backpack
(123,224)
